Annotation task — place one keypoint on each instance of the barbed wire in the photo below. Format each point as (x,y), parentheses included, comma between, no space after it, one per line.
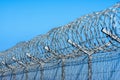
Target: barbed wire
(97,32)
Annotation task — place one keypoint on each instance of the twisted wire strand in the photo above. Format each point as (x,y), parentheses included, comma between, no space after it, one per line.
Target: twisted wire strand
(85,31)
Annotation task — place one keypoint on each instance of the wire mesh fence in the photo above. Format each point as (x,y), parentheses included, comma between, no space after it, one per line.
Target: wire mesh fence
(85,49)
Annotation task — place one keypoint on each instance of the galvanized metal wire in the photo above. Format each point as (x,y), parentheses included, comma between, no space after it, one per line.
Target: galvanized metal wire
(79,42)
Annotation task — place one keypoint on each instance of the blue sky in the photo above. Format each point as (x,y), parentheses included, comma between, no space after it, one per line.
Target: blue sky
(21,20)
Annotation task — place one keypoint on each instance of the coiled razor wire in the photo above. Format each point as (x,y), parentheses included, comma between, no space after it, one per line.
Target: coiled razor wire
(90,39)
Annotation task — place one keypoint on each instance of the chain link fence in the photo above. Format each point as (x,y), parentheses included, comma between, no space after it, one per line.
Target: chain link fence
(85,49)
